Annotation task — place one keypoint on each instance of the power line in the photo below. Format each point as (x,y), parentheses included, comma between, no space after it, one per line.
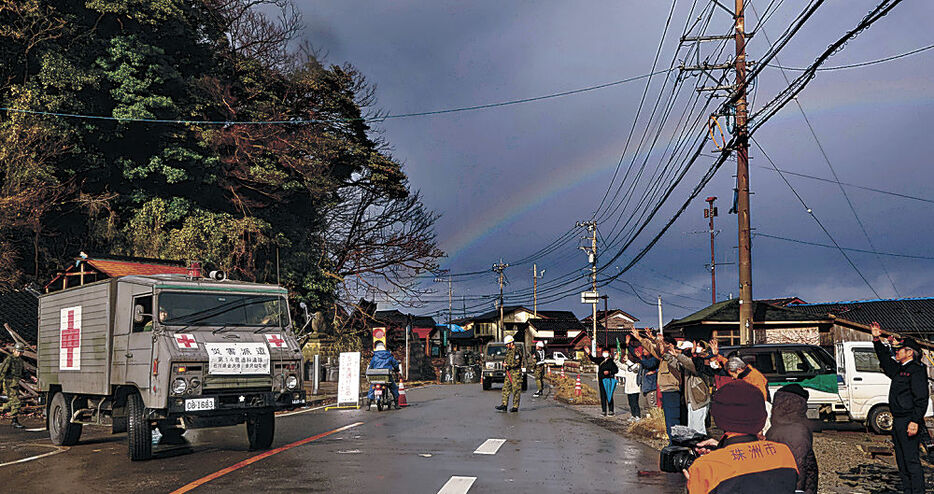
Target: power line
(855,186)
(301,121)
(859,64)
(850,249)
(816,220)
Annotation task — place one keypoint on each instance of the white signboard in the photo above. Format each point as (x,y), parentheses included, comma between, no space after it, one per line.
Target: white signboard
(69,352)
(589,297)
(348,384)
(237,358)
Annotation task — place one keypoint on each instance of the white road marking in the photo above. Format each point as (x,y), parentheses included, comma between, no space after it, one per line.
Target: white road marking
(489,447)
(457,485)
(301,411)
(50,453)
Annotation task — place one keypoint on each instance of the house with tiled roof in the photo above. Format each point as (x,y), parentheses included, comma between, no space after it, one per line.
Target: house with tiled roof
(613,319)
(772,324)
(783,301)
(909,316)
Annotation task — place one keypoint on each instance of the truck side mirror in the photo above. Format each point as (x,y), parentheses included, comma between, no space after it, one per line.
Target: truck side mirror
(138,314)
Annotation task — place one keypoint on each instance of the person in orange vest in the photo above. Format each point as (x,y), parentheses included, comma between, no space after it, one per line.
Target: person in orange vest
(740,462)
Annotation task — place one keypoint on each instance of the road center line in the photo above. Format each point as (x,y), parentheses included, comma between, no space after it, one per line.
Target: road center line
(489,447)
(457,485)
(305,410)
(254,459)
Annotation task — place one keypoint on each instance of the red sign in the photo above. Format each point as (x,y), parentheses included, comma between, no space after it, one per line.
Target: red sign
(70,339)
(275,339)
(186,341)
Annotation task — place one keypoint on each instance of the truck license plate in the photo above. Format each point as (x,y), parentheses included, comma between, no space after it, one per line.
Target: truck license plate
(197,404)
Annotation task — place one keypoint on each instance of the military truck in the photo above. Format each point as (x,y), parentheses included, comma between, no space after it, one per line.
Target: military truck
(167,352)
(494,353)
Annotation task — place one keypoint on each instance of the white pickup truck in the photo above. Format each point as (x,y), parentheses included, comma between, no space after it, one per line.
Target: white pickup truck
(862,389)
(557,358)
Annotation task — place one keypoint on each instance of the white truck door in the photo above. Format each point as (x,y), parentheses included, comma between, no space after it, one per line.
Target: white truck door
(844,364)
(868,385)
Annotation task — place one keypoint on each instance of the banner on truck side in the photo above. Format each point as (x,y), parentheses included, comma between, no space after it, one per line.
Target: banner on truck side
(237,358)
(69,352)
(348,383)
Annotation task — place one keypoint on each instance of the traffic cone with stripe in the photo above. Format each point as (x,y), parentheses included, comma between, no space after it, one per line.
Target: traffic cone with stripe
(402,400)
(577,385)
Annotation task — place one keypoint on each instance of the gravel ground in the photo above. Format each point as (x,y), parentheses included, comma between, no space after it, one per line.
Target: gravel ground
(845,465)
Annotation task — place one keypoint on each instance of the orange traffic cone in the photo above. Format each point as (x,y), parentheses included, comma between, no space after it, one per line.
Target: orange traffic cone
(402,400)
(562,371)
(577,385)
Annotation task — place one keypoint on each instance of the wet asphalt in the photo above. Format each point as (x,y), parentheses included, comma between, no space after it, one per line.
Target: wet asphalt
(547,448)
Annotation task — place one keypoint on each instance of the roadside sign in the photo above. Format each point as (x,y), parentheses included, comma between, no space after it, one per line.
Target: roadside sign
(590,297)
(348,382)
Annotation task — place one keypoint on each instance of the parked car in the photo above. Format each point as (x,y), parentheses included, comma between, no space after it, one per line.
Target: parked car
(558,359)
(493,355)
(862,388)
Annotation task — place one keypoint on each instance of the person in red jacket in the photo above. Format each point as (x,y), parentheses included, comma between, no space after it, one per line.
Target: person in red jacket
(741,462)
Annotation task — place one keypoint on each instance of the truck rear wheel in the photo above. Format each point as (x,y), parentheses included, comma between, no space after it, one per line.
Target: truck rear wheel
(260,430)
(880,419)
(486,384)
(61,430)
(525,383)
(139,429)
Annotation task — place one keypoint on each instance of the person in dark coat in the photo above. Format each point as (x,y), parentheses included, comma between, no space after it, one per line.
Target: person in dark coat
(790,426)
(606,377)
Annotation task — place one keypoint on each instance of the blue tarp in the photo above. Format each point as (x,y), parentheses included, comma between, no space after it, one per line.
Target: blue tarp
(453,327)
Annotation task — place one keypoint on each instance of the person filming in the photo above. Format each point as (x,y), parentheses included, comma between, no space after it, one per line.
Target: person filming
(740,462)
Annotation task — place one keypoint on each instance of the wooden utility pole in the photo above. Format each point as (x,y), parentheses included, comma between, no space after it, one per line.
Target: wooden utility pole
(742,183)
(535,276)
(499,268)
(710,212)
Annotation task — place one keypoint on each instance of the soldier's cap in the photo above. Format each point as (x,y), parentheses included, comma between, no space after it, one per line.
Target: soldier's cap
(540,344)
(19,347)
(508,339)
(908,343)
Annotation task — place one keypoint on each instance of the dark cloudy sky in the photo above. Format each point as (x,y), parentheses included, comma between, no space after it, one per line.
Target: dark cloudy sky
(510,180)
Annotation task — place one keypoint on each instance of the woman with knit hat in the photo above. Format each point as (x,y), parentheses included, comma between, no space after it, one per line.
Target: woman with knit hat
(740,462)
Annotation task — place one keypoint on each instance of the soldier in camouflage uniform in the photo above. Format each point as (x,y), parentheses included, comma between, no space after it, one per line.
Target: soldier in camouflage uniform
(512,384)
(539,358)
(11,371)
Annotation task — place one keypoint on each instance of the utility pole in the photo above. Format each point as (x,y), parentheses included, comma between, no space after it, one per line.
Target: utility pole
(499,268)
(450,301)
(592,257)
(742,183)
(535,276)
(737,94)
(710,212)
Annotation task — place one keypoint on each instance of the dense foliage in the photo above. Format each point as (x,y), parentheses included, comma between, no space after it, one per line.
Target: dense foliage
(322,202)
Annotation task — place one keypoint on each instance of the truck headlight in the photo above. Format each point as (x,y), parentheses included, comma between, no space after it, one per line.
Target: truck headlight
(179,385)
(279,382)
(291,382)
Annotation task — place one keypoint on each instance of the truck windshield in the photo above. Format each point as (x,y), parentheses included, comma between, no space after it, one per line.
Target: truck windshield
(230,310)
(496,351)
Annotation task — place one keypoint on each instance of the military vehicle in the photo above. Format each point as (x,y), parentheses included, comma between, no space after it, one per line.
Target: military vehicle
(494,353)
(167,352)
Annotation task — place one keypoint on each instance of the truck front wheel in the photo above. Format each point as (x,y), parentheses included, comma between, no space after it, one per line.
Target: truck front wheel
(486,384)
(880,419)
(61,430)
(139,429)
(260,429)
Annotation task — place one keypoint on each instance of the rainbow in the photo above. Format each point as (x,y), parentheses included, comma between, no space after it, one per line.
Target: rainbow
(601,163)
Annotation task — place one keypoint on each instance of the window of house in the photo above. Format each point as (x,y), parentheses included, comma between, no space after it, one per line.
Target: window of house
(866,360)
(727,337)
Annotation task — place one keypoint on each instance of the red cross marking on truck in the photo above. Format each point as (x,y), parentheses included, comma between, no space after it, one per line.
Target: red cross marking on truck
(71,339)
(275,339)
(184,339)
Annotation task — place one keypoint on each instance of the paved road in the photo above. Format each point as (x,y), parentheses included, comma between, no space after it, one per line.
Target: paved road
(544,448)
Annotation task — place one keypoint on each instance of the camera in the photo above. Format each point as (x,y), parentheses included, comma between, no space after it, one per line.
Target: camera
(680,454)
